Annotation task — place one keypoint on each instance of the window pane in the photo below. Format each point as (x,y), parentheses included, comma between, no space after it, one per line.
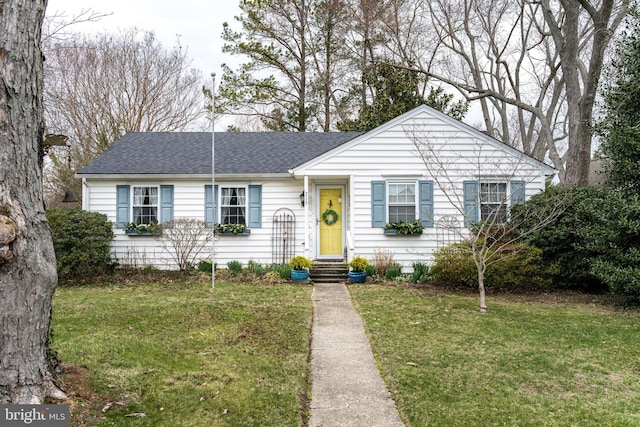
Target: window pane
(233,202)
(145,205)
(402,213)
(142,215)
(145,196)
(493,201)
(402,193)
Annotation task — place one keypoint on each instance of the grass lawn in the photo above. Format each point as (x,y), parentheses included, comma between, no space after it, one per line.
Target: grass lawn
(531,361)
(184,355)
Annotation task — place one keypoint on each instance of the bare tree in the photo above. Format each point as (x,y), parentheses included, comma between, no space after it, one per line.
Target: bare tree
(481,182)
(185,239)
(98,88)
(27,262)
(533,66)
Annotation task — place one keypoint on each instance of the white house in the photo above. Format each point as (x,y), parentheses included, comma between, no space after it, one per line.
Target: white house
(327,196)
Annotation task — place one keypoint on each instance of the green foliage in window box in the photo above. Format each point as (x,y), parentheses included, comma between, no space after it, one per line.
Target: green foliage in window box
(403,227)
(234,229)
(300,263)
(358,263)
(132,228)
(82,242)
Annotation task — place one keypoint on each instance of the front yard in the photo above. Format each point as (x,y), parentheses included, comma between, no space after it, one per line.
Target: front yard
(185,355)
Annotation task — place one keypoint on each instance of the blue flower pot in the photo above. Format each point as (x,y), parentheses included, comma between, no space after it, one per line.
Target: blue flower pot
(299,274)
(357,276)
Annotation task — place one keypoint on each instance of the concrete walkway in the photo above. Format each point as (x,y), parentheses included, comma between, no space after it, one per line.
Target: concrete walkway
(346,388)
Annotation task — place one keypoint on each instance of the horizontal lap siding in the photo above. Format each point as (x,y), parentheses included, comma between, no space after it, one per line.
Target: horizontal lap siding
(392,155)
(141,251)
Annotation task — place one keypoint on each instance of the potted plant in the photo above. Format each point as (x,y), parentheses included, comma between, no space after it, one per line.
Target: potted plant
(357,273)
(300,267)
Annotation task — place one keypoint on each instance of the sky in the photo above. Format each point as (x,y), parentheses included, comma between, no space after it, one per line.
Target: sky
(197,24)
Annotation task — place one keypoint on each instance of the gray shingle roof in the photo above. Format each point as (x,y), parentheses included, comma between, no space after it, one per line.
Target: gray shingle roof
(236,153)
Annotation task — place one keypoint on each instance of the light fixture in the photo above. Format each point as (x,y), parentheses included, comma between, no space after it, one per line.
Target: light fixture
(69,197)
(302,196)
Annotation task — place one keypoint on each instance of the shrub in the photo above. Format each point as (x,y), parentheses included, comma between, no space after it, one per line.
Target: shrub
(420,272)
(593,240)
(300,263)
(255,267)
(382,261)
(283,270)
(453,266)
(205,265)
(234,266)
(393,271)
(358,263)
(82,242)
(519,267)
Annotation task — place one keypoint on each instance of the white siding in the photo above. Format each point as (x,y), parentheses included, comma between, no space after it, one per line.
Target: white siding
(189,202)
(391,154)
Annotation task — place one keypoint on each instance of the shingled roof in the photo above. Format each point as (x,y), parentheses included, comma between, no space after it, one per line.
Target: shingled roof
(189,153)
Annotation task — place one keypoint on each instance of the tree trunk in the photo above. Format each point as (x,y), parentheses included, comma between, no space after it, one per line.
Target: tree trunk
(483,298)
(27,265)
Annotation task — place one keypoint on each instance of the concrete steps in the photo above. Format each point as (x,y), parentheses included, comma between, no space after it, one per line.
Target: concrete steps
(329,272)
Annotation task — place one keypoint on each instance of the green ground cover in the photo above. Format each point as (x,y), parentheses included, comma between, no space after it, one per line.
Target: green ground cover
(184,355)
(539,360)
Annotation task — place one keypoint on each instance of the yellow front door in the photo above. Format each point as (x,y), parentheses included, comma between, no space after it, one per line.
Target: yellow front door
(330,211)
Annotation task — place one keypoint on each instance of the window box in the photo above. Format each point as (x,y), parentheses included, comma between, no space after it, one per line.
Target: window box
(394,232)
(244,232)
(135,233)
(403,228)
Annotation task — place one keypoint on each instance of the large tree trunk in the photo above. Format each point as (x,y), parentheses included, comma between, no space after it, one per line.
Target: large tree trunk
(27,261)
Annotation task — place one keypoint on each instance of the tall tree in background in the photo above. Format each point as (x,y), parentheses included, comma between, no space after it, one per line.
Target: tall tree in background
(396,91)
(27,261)
(620,128)
(536,63)
(98,88)
(274,37)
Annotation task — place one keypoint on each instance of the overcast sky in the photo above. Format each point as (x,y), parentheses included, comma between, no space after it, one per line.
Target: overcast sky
(197,23)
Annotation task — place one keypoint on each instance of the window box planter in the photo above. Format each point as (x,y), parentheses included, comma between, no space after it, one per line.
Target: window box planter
(394,232)
(135,233)
(244,232)
(403,228)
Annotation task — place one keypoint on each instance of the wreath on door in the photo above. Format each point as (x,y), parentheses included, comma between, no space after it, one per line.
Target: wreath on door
(329,217)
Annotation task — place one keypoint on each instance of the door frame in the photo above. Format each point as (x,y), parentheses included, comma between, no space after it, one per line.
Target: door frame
(318,214)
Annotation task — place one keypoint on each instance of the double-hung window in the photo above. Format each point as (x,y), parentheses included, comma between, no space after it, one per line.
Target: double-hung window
(493,202)
(402,202)
(145,205)
(233,205)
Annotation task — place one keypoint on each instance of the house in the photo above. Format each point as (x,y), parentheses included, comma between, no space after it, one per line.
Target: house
(327,196)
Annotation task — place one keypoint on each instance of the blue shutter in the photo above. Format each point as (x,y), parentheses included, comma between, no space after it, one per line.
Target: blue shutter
(425,192)
(517,192)
(122,205)
(210,213)
(378,203)
(255,206)
(471,202)
(166,203)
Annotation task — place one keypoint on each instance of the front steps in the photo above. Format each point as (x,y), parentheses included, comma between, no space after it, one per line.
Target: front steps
(329,272)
